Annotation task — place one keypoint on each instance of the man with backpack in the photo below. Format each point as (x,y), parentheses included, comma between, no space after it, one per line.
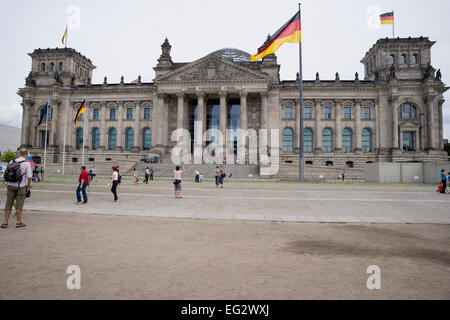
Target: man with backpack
(18,175)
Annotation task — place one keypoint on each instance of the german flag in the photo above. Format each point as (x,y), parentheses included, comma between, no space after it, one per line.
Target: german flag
(64,38)
(80,111)
(289,32)
(387,18)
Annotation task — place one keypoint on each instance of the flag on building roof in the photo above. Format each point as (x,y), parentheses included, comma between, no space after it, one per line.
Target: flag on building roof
(135,81)
(44,112)
(80,111)
(289,32)
(387,18)
(64,38)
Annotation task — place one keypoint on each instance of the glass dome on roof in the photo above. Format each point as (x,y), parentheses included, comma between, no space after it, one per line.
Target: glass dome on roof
(236,55)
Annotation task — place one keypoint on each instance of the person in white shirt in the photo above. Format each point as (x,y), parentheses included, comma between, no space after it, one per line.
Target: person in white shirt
(147,175)
(197,176)
(17,190)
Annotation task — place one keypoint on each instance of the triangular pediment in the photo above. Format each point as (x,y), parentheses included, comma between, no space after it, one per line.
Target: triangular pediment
(212,68)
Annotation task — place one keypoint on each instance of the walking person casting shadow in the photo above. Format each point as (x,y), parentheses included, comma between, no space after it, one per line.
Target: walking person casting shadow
(115,180)
(177,181)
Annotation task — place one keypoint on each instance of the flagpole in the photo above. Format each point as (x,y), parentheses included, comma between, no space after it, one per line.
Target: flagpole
(64,142)
(393,24)
(45,140)
(84,131)
(301,153)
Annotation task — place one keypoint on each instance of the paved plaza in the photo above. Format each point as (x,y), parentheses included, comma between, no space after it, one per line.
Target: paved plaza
(251,200)
(209,245)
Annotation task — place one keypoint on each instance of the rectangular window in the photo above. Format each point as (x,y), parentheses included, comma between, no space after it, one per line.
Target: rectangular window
(308,114)
(347,113)
(367,113)
(287,112)
(408,141)
(327,113)
(112,114)
(96,113)
(147,114)
(129,113)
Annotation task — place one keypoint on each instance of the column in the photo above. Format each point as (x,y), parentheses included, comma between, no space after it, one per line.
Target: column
(264,111)
(223,114)
(440,136)
(55,104)
(395,139)
(337,127)
(317,127)
(137,127)
(103,129)
(377,144)
(297,125)
(358,125)
(120,138)
(26,123)
(244,124)
(201,115)
(243,120)
(180,111)
(416,140)
(156,121)
(165,120)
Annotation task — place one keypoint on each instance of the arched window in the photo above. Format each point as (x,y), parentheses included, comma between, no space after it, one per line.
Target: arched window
(129,138)
(403,59)
(347,140)
(147,139)
(112,139)
(79,138)
(43,67)
(52,67)
(392,59)
(407,111)
(327,140)
(60,67)
(288,140)
(415,59)
(307,140)
(95,138)
(366,140)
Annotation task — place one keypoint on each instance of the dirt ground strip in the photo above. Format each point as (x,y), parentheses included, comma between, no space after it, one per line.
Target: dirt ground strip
(132,257)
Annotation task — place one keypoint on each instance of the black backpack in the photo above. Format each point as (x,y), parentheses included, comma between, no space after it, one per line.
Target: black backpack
(13,172)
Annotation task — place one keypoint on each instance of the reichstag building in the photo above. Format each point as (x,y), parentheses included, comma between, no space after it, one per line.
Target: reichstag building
(391,113)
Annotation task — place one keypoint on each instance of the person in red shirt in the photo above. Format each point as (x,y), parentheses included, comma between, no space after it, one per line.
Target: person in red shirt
(83,182)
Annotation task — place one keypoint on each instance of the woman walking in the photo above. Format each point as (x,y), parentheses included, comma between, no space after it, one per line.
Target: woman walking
(114,182)
(177,181)
(135,176)
(222,175)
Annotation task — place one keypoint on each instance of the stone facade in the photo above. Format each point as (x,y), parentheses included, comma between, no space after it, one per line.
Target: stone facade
(394,113)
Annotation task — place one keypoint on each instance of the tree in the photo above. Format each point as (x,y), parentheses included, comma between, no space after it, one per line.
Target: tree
(9,155)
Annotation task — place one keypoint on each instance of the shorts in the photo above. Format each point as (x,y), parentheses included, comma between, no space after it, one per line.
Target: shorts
(15,193)
(177,186)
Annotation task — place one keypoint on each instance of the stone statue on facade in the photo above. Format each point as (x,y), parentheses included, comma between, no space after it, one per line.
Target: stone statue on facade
(58,79)
(356,76)
(337,77)
(29,81)
(438,75)
(317,76)
(392,75)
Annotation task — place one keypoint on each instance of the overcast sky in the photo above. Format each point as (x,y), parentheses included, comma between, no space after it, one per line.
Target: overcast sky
(124,37)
